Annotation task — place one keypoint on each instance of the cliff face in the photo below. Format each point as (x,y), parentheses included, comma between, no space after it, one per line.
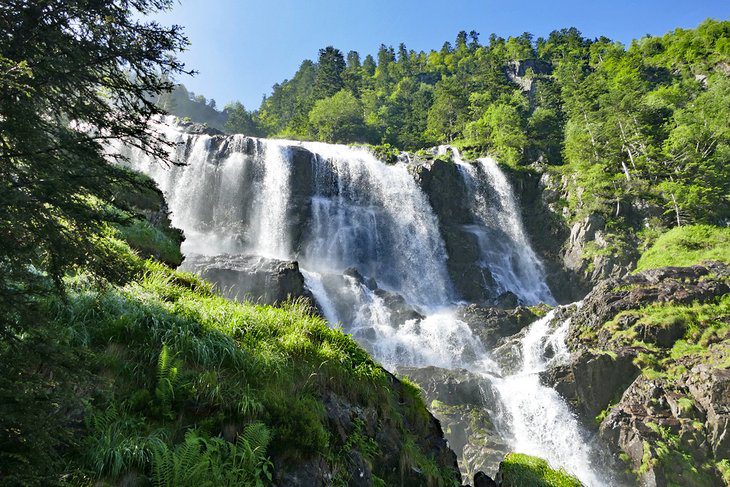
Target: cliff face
(650,362)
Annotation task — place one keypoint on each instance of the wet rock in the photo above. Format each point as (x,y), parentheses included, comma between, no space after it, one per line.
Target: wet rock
(591,381)
(506,300)
(462,402)
(251,277)
(483,480)
(442,182)
(540,194)
(491,324)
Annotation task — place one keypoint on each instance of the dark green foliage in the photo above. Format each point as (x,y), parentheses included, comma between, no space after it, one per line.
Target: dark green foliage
(74,75)
(330,68)
(239,120)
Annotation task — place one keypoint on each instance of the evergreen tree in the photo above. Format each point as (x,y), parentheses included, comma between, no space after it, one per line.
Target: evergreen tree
(74,75)
(330,67)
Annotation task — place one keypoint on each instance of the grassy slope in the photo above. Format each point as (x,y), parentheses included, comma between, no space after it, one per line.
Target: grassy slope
(684,246)
(166,361)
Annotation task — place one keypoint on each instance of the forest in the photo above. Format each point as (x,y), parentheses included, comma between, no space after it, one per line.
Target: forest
(646,121)
(121,366)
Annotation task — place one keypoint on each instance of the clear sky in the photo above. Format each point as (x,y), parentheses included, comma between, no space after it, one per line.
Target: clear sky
(242,47)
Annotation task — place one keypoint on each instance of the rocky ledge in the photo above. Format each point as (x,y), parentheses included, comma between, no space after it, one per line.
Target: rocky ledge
(650,370)
(251,277)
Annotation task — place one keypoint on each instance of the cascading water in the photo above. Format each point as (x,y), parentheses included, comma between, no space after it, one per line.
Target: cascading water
(505,250)
(343,209)
(535,418)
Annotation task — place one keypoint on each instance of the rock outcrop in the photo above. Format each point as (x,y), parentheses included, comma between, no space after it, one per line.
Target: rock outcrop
(650,363)
(345,421)
(463,402)
(251,277)
(446,192)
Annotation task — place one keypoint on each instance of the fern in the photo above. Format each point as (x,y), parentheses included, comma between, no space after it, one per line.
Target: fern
(167,374)
(200,461)
(114,447)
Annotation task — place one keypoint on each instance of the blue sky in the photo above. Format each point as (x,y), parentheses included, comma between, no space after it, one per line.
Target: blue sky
(242,47)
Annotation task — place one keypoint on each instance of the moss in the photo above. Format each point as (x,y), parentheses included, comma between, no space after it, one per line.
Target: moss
(685,246)
(519,470)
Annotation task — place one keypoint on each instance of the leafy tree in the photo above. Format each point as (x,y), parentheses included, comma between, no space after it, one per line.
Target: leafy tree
(338,118)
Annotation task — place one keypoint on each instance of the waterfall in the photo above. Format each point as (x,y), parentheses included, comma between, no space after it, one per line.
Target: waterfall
(374,217)
(504,247)
(534,417)
(371,252)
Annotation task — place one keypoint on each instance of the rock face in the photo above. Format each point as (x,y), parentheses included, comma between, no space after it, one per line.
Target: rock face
(251,278)
(654,372)
(463,402)
(539,196)
(346,420)
(446,192)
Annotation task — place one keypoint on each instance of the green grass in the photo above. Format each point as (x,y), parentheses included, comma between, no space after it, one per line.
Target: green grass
(519,470)
(685,246)
(167,367)
(151,242)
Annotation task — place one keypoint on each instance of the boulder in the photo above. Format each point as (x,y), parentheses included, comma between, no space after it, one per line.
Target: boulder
(251,277)
(491,324)
(664,448)
(592,380)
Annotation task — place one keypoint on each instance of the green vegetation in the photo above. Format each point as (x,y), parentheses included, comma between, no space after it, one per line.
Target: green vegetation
(685,246)
(519,470)
(639,133)
(691,330)
(669,453)
(163,367)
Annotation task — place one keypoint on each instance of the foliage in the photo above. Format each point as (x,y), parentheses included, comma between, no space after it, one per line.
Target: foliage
(337,118)
(186,104)
(685,246)
(74,76)
(519,470)
(204,461)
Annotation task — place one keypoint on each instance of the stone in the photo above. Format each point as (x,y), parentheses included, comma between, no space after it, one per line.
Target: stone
(251,277)
(461,401)
(483,480)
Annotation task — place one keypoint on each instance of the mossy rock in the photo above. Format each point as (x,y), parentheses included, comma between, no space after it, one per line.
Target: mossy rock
(520,470)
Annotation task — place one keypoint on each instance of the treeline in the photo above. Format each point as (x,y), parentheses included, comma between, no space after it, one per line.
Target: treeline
(649,121)
(234,118)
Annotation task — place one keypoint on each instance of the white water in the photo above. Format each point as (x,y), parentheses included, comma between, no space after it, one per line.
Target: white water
(536,420)
(234,195)
(505,249)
